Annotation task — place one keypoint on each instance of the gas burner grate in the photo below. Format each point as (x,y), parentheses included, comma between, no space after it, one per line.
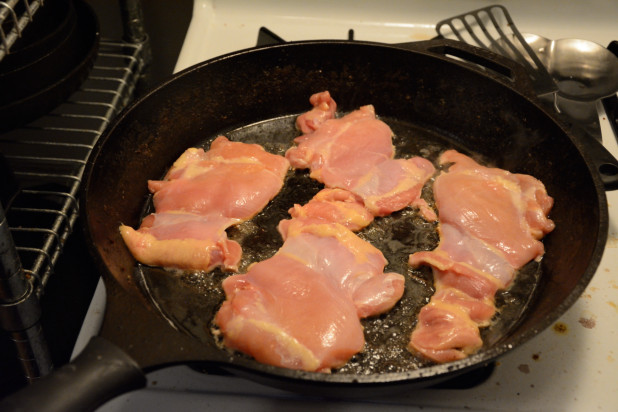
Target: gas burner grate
(266,37)
(47,158)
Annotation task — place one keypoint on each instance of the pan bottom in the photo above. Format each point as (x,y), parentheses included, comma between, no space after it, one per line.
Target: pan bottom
(190,300)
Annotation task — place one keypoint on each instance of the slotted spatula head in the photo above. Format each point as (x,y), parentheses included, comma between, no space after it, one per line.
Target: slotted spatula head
(492,28)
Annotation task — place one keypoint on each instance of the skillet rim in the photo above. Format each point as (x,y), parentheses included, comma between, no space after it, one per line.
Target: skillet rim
(446,370)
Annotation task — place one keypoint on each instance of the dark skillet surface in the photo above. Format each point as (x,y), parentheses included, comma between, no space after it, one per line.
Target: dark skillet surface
(442,99)
(190,300)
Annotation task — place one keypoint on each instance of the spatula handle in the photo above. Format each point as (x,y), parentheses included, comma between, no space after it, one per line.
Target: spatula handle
(101,372)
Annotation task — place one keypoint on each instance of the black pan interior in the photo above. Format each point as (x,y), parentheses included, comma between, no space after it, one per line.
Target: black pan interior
(190,299)
(421,95)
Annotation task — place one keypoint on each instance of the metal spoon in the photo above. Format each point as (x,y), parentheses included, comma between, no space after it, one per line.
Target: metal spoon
(583,70)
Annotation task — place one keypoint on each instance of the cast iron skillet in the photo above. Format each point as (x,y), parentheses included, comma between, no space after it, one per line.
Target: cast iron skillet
(486,109)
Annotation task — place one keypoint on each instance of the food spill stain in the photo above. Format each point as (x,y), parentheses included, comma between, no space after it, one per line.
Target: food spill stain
(613,305)
(421,36)
(560,328)
(524,368)
(588,323)
(536,356)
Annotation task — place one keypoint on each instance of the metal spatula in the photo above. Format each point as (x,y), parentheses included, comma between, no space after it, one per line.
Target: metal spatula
(492,28)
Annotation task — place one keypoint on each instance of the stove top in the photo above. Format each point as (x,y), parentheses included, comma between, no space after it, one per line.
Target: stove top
(222,27)
(570,366)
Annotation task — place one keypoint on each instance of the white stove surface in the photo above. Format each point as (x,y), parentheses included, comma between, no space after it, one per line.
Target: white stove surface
(220,27)
(571,369)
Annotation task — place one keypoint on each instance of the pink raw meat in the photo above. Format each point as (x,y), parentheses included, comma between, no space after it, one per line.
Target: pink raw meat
(355,153)
(286,314)
(204,193)
(300,309)
(324,108)
(491,223)
(183,241)
(335,205)
(352,263)
(232,179)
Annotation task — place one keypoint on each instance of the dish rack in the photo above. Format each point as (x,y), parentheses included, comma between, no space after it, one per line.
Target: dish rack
(15,15)
(47,158)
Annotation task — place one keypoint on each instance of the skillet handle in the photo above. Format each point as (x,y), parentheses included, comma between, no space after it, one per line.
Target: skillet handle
(605,163)
(101,372)
(600,158)
(500,68)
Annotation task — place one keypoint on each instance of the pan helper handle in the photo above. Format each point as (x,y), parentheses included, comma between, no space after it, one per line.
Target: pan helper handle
(101,372)
(604,162)
(498,67)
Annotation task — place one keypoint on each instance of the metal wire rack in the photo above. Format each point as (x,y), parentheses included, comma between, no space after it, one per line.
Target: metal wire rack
(15,15)
(48,157)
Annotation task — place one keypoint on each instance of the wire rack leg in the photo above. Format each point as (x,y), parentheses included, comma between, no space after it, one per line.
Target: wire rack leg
(20,311)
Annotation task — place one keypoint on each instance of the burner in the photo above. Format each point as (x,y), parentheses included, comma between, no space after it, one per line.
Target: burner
(267,37)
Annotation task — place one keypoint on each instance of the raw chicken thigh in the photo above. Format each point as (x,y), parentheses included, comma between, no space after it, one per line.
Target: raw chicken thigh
(491,223)
(356,153)
(203,194)
(301,309)
(233,179)
(184,241)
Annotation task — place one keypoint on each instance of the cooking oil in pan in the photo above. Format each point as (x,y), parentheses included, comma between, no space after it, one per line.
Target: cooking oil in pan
(190,300)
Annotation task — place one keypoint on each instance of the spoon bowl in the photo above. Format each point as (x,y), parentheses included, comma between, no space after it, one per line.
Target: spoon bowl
(582,69)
